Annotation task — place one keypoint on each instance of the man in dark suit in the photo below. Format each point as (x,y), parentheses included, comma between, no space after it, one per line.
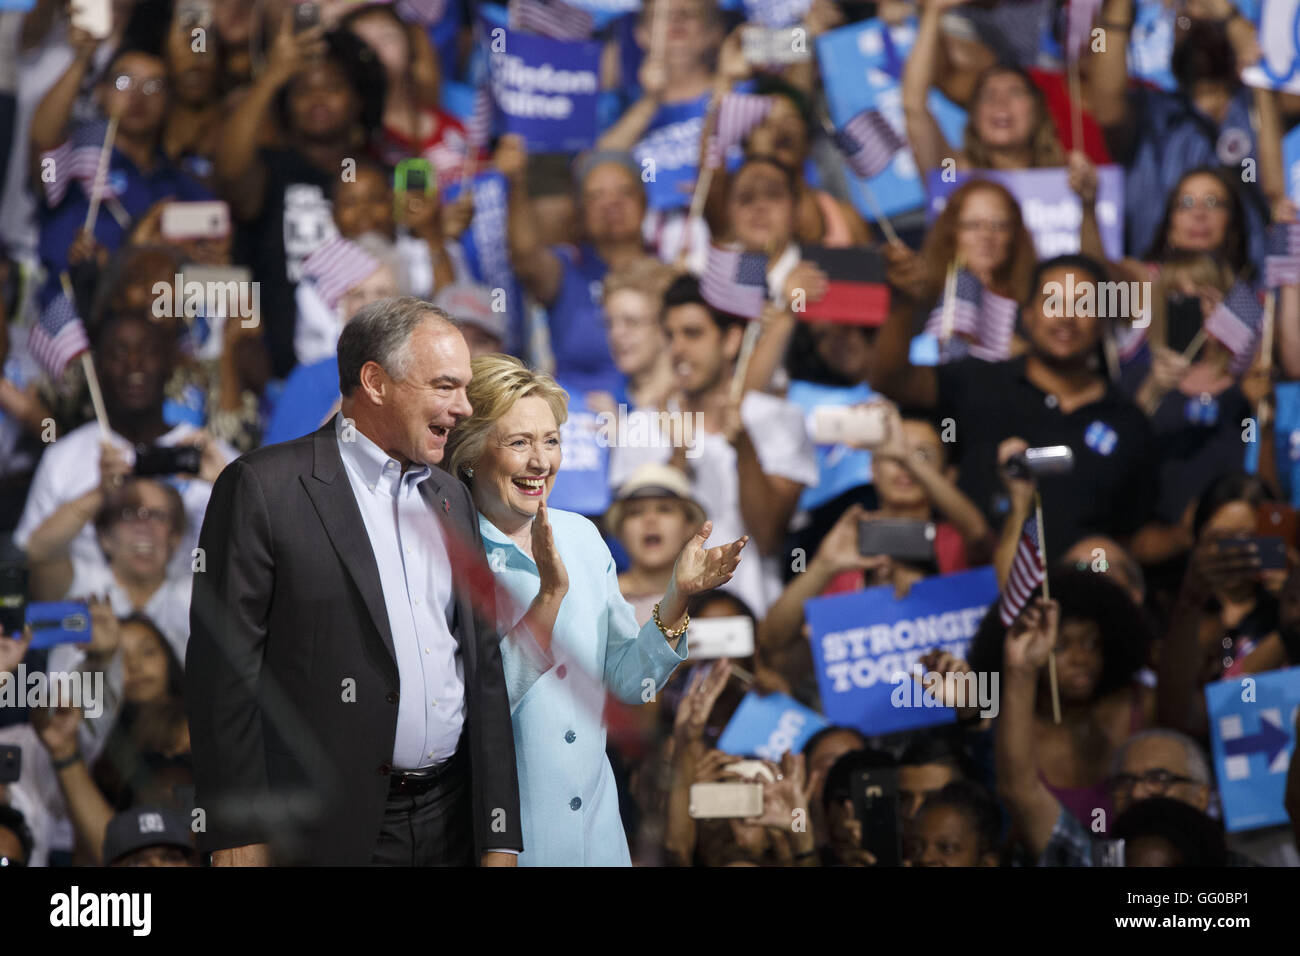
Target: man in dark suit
(346,699)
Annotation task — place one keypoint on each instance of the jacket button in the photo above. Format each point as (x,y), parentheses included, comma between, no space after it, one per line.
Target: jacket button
(570,737)
(384,769)
(392,697)
(561,671)
(575,803)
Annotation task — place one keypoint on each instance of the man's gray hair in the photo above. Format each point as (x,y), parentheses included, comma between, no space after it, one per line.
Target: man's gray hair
(1198,768)
(379,332)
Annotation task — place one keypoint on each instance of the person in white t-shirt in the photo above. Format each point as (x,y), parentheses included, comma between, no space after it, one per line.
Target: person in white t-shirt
(747,460)
(133,359)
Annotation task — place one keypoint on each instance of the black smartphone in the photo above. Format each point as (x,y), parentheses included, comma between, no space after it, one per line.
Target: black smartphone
(1183,320)
(902,538)
(1272,550)
(1038,462)
(11,763)
(13,598)
(171,460)
(875,803)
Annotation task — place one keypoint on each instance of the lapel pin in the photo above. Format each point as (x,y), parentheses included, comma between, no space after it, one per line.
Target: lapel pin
(446,506)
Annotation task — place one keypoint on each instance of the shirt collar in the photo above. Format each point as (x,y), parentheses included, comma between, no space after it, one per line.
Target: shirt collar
(371,463)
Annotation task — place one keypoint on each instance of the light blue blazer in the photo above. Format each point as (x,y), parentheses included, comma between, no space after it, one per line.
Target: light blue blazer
(568,801)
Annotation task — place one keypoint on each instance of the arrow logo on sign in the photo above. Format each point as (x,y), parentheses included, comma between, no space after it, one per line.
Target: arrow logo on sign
(1270,741)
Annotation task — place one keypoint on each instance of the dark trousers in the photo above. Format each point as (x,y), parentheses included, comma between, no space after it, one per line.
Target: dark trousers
(434,828)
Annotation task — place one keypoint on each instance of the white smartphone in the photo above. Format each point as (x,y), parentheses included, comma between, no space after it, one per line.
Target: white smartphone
(93,16)
(713,637)
(716,801)
(862,426)
(195,220)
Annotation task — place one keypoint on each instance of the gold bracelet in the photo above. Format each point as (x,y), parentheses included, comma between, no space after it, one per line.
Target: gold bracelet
(677,632)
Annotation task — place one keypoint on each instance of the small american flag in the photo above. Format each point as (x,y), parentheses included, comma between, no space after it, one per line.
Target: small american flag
(58,337)
(1282,261)
(987,319)
(868,143)
(1026,574)
(337,266)
(776,13)
(478,129)
(738,114)
(735,282)
(1078,26)
(77,159)
(424,12)
(1238,323)
(555,19)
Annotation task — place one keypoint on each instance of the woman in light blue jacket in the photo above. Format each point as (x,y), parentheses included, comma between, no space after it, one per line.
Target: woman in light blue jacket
(568,634)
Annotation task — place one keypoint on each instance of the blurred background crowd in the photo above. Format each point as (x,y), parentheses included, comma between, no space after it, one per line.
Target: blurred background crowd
(312,158)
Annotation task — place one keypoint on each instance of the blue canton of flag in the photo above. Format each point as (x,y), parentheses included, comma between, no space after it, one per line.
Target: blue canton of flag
(735,282)
(58,337)
(869,143)
(1101,438)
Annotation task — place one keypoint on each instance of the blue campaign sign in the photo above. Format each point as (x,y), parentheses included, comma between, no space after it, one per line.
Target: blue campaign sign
(862,67)
(1151,44)
(768,726)
(1278,28)
(582,484)
(1051,210)
(485,247)
(865,644)
(839,467)
(670,153)
(1252,736)
(545,90)
(603,11)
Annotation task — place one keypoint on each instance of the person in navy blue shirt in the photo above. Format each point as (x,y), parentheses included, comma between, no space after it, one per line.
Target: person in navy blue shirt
(567,279)
(134,88)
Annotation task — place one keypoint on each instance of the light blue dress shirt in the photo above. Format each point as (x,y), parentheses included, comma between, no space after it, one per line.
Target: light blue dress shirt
(415,574)
(568,799)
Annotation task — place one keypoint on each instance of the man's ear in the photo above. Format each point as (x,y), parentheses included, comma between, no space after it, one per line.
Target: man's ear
(731,340)
(376,386)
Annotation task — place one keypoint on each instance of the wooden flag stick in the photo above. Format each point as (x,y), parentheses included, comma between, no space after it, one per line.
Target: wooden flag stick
(1264,412)
(747,344)
(1047,596)
(1194,345)
(101,174)
(703,180)
(881,219)
(88,367)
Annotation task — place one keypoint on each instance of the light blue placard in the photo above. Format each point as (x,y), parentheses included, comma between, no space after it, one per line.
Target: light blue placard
(769,725)
(839,467)
(865,644)
(861,66)
(582,484)
(1252,736)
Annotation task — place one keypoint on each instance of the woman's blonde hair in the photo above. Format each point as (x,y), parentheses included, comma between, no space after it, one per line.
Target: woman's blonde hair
(1178,270)
(496,383)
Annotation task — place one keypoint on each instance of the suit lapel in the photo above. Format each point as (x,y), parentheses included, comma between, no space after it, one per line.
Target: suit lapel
(331,494)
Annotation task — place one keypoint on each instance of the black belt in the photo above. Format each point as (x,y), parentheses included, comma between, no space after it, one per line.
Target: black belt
(411,783)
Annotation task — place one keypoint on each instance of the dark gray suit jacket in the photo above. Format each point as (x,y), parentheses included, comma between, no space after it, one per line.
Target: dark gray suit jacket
(291,676)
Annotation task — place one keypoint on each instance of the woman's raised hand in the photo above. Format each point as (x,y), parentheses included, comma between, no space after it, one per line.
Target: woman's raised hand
(703,569)
(550,567)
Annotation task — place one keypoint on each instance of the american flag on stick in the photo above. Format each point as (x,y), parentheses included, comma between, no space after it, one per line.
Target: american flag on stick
(58,336)
(337,266)
(987,319)
(869,143)
(735,282)
(1282,261)
(1237,323)
(77,159)
(738,114)
(555,19)
(776,13)
(1027,572)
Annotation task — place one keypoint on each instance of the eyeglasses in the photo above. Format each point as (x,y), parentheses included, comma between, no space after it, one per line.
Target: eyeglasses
(149,87)
(998,227)
(1188,201)
(155,515)
(1158,781)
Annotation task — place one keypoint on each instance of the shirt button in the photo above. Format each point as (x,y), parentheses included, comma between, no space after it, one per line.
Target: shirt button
(434,703)
(426,650)
(430,754)
(371,487)
(1050,401)
(392,698)
(1227,642)
(575,803)
(1227,662)
(417,600)
(561,671)
(570,737)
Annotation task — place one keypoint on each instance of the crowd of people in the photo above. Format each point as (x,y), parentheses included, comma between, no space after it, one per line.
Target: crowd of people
(298,129)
